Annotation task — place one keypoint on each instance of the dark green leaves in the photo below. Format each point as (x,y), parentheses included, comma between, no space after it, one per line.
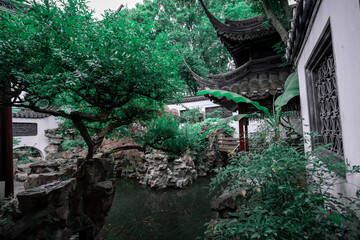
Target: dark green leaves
(234,97)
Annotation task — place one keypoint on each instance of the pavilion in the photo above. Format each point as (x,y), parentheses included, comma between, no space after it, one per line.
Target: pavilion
(260,72)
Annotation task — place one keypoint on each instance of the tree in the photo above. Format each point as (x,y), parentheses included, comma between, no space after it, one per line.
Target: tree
(277,12)
(101,75)
(191,32)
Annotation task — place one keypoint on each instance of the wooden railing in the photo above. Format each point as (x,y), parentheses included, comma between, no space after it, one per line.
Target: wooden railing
(228,145)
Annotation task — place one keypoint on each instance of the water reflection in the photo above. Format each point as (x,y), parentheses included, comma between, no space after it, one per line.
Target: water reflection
(139,212)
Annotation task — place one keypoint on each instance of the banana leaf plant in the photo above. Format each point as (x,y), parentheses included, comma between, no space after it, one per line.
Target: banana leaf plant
(291,90)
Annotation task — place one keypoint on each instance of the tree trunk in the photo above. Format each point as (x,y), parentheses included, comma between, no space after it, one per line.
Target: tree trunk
(275,21)
(287,10)
(85,135)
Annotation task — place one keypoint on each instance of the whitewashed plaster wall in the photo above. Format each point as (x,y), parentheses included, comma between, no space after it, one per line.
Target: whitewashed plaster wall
(40,141)
(202,105)
(344,17)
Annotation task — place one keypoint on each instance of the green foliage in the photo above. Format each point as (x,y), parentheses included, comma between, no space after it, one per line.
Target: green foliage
(28,156)
(280,49)
(101,75)
(67,144)
(287,194)
(279,8)
(7,209)
(189,29)
(192,115)
(291,89)
(168,134)
(15,110)
(16,141)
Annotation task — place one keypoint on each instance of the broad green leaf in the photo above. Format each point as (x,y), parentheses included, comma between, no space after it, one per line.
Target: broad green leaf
(236,98)
(291,90)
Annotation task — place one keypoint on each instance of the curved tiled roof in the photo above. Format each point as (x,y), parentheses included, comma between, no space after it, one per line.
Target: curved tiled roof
(239,30)
(260,73)
(238,34)
(257,79)
(26,113)
(193,99)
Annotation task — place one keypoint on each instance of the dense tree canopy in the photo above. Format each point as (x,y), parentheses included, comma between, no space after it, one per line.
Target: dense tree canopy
(190,30)
(101,75)
(104,75)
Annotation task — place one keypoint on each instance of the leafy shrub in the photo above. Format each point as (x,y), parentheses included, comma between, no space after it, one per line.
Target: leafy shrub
(167,133)
(28,156)
(287,194)
(67,144)
(192,115)
(7,209)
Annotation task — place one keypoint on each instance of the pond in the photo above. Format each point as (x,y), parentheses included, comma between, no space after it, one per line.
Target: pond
(139,212)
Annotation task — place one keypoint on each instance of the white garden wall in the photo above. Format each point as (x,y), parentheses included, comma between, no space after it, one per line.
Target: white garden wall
(344,18)
(40,141)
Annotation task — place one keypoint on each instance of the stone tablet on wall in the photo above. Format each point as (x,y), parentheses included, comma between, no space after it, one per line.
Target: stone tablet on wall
(24,129)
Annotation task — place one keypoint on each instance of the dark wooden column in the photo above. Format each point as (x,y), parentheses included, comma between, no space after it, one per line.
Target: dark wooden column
(6,147)
(246,135)
(241,135)
(243,130)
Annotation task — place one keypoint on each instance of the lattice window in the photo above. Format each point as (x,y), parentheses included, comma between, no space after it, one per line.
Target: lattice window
(326,89)
(324,108)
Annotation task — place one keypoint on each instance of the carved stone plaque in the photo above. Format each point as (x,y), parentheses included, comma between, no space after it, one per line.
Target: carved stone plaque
(24,129)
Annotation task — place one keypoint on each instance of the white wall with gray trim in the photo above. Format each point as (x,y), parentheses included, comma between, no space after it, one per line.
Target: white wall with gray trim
(344,18)
(40,141)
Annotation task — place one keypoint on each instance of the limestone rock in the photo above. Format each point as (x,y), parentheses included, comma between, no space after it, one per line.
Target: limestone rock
(21,177)
(44,172)
(39,197)
(63,209)
(227,202)
(35,180)
(50,149)
(24,168)
(96,170)
(45,167)
(100,195)
(160,173)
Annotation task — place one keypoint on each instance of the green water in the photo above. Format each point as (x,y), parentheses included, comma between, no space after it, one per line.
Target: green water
(139,212)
